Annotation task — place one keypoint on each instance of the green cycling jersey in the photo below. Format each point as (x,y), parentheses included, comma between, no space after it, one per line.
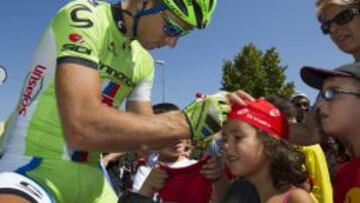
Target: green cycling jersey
(86,33)
(89,33)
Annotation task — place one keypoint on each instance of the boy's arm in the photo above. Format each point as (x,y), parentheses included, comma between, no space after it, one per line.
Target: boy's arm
(154,181)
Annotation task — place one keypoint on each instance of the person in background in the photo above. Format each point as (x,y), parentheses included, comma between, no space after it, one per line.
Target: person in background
(340,19)
(301,103)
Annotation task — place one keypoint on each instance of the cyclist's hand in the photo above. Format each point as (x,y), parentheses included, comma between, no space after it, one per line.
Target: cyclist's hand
(206,115)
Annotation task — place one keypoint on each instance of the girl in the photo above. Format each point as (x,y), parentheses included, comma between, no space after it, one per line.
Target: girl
(255,149)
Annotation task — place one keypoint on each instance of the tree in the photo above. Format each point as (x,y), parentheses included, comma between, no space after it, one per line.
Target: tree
(257,73)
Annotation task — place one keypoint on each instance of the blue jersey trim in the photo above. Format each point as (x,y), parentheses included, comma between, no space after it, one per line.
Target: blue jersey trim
(35,162)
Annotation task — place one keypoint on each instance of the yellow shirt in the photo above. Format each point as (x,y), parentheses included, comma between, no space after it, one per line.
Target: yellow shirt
(317,168)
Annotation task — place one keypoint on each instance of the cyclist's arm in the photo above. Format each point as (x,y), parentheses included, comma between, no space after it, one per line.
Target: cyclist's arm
(139,107)
(90,125)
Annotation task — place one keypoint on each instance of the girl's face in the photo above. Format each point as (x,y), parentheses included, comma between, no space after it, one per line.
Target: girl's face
(243,150)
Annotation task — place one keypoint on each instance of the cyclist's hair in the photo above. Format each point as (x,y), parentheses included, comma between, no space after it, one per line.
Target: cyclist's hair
(323,5)
(286,162)
(164,107)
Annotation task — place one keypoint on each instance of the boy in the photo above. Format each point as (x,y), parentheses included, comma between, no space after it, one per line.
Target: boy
(169,174)
(339,109)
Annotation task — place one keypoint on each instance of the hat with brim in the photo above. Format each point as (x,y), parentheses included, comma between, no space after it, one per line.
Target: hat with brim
(298,94)
(315,77)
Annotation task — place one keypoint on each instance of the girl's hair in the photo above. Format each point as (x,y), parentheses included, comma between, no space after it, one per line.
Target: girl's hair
(287,164)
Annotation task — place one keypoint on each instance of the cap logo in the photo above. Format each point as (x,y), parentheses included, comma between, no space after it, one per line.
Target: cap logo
(263,115)
(243,111)
(274,113)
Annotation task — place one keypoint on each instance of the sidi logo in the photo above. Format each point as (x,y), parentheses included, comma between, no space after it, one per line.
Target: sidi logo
(32,88)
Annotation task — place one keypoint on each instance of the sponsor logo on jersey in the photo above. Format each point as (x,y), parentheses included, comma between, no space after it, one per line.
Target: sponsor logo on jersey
(75,37)
(76,48)
(33,85)
(80,22)
(30,188)
(109,93)
(117,74)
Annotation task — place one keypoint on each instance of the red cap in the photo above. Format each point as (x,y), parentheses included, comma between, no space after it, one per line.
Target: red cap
(263,115)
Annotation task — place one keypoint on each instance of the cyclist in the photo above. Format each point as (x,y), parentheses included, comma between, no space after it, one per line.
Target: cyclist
(92,56)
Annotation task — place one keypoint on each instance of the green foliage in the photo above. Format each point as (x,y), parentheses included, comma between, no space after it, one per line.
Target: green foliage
(257,73)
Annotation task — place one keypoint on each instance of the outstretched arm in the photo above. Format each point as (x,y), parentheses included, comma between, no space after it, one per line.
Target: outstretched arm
(89,124)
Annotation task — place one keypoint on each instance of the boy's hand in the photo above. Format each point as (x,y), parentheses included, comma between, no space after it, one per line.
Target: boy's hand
(212,170)
(155,180)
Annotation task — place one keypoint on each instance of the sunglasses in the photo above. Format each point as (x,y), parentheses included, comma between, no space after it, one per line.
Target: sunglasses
(171,28)
(340,19)
(332,92)
(301,104)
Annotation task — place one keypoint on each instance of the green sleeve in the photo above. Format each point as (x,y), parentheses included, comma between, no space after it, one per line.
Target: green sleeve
(78,34)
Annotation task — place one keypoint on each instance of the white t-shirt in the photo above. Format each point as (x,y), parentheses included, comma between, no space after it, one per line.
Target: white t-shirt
(143,172)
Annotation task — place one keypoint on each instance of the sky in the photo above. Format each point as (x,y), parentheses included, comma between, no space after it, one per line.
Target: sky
(195,65)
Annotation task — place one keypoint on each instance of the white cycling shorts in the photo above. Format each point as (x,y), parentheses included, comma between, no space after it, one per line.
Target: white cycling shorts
(19,185)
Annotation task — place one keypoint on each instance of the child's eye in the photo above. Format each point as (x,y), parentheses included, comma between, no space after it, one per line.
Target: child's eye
(238,137)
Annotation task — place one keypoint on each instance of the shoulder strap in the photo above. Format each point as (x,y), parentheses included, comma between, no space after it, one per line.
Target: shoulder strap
(287,194)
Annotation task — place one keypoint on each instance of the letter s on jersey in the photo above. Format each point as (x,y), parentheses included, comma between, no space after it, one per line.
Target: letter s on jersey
(79,21)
